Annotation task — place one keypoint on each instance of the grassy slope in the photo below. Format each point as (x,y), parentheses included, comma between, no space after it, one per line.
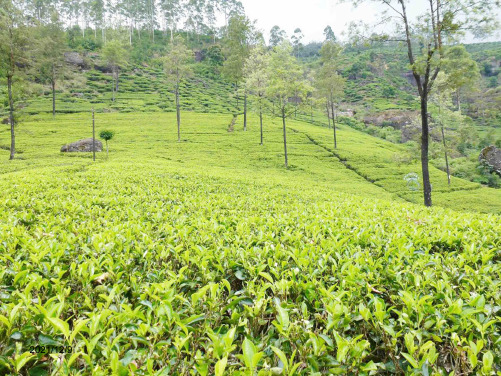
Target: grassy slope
(131,242)
(361,165)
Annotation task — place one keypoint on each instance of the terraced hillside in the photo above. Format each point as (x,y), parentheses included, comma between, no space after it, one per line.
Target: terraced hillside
(142,89)
(208,257)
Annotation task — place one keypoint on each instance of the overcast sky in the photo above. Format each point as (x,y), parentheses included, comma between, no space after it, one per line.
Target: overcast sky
(312,16)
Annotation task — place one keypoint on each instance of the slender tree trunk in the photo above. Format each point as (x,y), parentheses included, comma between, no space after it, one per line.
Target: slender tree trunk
(245,110)
(261,123)
(424,149)
(444,142)
(178,114)
(328,115)
(11,119)
(130,34)
(236,94)
(107,150)
(285,138)
(53,97)
(458,99)
(93,137)
(334,124)
(116,79)
(446,156)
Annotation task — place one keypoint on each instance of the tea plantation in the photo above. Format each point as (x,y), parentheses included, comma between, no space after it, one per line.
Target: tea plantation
(208,257)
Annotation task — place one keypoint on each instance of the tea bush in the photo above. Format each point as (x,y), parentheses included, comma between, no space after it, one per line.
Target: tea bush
(208,257)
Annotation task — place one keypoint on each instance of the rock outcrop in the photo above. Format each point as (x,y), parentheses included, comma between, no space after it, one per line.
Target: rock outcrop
(391,118)
(74,58)
(491,156)
(82,146)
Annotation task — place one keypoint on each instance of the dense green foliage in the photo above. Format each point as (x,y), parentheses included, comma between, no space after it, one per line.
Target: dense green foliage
(150,264)
(198,253)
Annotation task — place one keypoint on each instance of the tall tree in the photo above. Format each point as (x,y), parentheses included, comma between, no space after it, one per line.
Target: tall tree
(130,10)
(329,34)
(210,12)
(195,17)
(177,70)
(277,36)
(461,70)
(423,35)
(256,73)
(14,42)
(116,56)
(40,10)
(172,11)
(97,14)
(230,8)
(441,96)
(286,85)
(329,84)
(297,37)
(50,62)
(236,48)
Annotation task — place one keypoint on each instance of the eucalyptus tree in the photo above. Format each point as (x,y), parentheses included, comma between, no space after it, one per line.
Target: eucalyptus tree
(296,39)
(172,12)
(150,17)
(329,34)
(128,9)
(177,69)
(49,60)
(329,84)
(210,14)
(441,96)
(461,70)
(116,57)
(230,8)
(286,81)
(40,10)
(424,35)
(236,48)
(195,16)
(256,73)
(14,54)
(97,15)
(277,36)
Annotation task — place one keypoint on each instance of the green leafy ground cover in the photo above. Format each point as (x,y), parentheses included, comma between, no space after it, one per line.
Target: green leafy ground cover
(208,257)
(141,89)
